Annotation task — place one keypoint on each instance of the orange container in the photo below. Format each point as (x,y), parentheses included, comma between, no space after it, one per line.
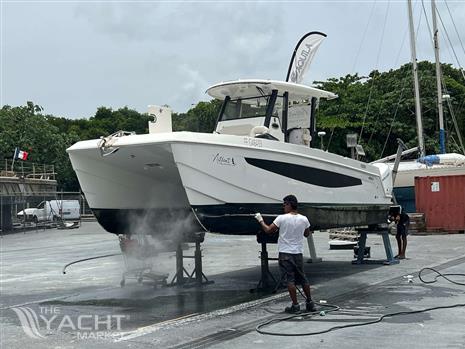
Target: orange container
(442,200)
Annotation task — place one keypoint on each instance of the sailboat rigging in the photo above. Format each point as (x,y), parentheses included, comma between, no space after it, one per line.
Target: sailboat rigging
(426,165)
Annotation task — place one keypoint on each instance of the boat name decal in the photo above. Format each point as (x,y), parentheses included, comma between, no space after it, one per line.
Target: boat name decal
(224,160)
(253,142)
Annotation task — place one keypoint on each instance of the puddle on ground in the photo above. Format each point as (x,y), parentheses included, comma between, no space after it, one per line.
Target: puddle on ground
(160,308)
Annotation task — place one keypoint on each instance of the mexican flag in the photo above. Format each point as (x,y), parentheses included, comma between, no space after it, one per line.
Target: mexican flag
(20,154)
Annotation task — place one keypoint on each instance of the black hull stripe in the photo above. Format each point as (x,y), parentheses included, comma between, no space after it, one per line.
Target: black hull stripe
(233,219)
(310,175)
(238,219)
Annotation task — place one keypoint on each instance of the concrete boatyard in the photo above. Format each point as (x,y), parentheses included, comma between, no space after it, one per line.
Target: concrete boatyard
(87,308)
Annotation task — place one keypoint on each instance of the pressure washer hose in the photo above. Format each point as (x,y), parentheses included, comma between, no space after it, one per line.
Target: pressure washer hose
(305,316)
(88,259)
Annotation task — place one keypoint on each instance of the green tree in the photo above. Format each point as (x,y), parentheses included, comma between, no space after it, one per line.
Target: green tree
(383,106)
(201,118)
(26,128)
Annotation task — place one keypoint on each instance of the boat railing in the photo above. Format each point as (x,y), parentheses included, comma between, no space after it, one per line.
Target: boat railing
(105,144)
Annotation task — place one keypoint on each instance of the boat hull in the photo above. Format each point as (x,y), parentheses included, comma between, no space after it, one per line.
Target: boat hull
(135,190)
(179,183)
(239,219)
(409,170)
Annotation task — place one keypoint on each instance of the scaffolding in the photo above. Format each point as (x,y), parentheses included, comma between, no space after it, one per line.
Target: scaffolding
(15,169)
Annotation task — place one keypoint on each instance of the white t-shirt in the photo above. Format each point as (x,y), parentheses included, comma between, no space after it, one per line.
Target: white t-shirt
(291,232)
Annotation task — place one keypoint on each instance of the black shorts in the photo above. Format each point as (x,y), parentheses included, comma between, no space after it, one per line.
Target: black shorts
(292,268)
(402,230)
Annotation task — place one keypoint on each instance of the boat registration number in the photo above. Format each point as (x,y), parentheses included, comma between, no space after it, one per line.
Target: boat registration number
(253,142)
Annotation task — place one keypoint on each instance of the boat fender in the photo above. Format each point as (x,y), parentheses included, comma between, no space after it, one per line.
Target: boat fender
(443,159)
(429,160)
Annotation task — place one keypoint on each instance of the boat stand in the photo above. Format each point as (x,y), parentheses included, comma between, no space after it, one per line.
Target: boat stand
(267,280)
(380,230)
(311,248)
(196,277)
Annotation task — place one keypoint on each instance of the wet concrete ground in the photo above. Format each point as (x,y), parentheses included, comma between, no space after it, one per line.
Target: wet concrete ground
(87,308)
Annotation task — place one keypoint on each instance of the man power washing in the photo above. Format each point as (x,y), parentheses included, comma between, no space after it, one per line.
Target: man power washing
(292,229)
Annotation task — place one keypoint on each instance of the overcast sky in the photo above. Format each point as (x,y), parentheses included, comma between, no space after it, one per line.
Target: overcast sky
(73,56)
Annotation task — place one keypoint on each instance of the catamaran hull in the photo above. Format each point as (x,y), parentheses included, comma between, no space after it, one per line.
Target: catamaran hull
(136,189)
(184,182)
(409,170)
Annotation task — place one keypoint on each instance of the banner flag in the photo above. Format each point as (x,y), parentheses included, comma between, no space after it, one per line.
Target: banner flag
(303,55)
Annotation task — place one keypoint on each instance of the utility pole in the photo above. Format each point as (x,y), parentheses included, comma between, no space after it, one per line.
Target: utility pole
(421,144)
(442,142)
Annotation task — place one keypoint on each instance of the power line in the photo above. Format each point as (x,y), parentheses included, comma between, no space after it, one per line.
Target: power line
(450,43)
(456,31)
(363,36)
(376,68)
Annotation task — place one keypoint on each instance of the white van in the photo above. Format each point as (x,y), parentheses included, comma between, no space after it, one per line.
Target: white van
(52,210)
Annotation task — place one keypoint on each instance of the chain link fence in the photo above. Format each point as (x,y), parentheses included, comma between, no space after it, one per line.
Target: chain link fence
(28,198)
(18,212)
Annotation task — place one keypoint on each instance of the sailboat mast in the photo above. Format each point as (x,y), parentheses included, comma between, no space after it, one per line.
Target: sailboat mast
(421,144)
(442,143)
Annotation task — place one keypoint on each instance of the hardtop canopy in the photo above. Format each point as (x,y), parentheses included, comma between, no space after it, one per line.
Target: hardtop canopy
(240,89)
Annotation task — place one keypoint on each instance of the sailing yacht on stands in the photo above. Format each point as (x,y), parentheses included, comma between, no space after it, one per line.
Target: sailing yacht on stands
(450,164)
(258,153)
(443,164)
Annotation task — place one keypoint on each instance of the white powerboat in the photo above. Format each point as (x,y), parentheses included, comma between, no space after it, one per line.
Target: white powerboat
(163,183)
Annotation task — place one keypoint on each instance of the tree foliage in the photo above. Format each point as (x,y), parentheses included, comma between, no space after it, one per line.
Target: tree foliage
(381,108)
(26,128)
(201,118)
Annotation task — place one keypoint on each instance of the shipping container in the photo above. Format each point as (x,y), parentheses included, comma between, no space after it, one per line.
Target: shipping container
(442,200)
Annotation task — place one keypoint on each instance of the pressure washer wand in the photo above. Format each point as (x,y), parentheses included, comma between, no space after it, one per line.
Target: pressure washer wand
(239,215)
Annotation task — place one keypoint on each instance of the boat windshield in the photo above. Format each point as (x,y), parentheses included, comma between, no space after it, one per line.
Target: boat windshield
(254,107)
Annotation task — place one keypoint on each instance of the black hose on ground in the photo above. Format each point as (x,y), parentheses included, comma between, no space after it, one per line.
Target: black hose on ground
(88,259)
(308,316)
(445,276)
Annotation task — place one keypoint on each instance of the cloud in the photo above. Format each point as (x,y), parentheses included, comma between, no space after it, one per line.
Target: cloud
(73,57)
(193,88)
(130,22)
(191,44)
